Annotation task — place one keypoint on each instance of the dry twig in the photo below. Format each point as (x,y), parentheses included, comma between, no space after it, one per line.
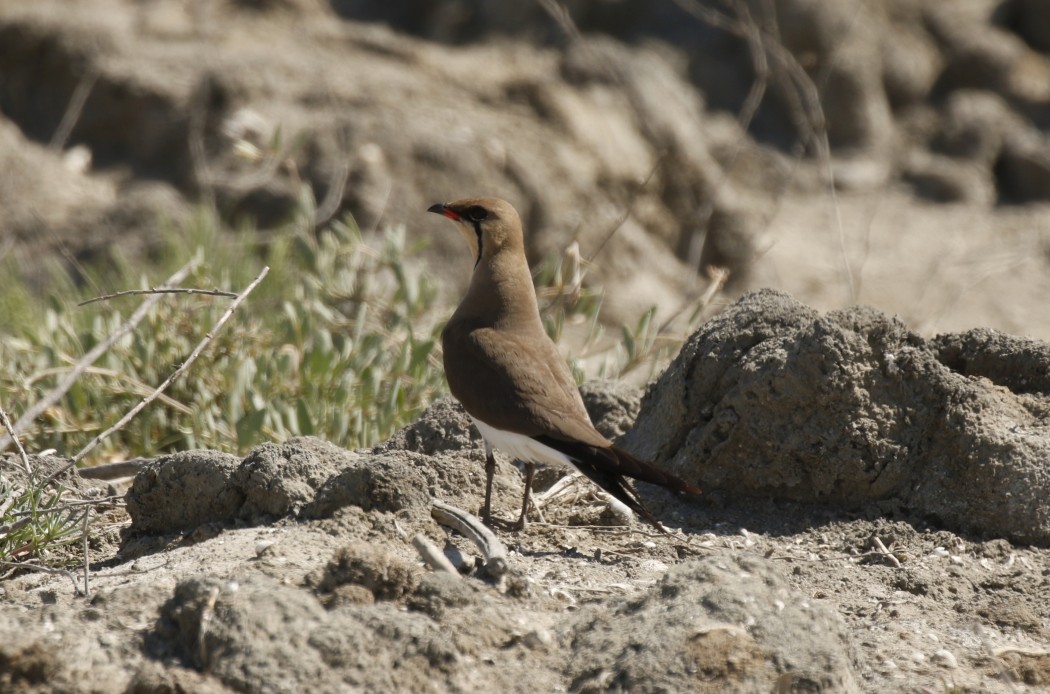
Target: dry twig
(44,569)
(159,290)
(11,433)
(472,528)
(432,555)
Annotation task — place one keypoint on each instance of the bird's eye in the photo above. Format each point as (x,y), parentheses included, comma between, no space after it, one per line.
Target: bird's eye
(477,214)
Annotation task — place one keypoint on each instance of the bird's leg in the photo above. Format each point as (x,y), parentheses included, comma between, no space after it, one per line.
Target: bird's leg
(530,472)
(490,471)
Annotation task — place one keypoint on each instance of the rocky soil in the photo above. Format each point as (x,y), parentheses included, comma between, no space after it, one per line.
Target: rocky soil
(875,476)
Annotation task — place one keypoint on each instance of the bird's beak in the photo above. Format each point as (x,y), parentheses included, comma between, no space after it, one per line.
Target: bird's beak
(444,210)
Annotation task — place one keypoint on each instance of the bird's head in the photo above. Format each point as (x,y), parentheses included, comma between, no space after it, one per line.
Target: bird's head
(489,225)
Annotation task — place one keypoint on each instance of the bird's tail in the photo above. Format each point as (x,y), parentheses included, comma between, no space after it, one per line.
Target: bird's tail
(647,472)
(608,467)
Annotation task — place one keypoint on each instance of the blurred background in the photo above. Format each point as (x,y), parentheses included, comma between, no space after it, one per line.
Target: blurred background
(665,155)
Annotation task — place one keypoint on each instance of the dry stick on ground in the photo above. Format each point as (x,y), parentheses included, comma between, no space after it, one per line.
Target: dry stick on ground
(164,386)
(114,471)
(87,556)
(14,566)
(115,499)
(472,528)
(432,556)
(88,359)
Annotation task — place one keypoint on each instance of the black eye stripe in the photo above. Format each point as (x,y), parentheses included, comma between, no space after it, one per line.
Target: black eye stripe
(477,230)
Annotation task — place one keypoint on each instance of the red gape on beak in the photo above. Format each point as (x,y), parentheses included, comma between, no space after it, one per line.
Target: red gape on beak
(444,210)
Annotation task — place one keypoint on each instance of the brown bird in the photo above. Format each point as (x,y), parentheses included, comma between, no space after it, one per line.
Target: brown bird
(509,376)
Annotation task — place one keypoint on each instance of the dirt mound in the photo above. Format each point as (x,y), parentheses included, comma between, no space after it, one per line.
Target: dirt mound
(441,455)
(772,399)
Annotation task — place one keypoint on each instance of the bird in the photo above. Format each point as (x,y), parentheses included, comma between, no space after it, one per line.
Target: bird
(509,376)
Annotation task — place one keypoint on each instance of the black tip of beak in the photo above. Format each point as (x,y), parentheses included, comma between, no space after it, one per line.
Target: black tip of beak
(444,210)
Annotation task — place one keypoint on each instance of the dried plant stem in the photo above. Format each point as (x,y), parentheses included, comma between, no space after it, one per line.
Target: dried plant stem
(159,290)
(87,556)
(44,569)
(113,471)
(432,555)
(18,444)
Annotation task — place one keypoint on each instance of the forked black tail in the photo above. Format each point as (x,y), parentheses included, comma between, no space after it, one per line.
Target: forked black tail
(609,467)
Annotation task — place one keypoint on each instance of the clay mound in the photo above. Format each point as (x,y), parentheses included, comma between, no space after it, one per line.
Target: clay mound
(302,477)
(773,399)
(439,455)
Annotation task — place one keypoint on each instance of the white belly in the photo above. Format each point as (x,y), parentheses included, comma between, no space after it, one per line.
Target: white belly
(522,447)
(532,451)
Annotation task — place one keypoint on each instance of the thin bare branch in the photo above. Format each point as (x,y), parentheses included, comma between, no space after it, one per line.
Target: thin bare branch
(43,569)
(74,109)
(88,359)
(69,506)
(87,555)
(160,290)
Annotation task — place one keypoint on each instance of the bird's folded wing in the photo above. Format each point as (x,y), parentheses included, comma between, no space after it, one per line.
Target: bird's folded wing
(518,385)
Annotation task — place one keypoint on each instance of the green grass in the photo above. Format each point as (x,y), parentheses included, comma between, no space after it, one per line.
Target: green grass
(340,343)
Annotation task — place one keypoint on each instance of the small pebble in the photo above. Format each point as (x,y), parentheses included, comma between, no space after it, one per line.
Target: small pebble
(945,658)
(264,547)
(538,638)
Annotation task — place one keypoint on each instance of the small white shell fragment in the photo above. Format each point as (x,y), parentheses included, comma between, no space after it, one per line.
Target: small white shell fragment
(263,547)
(945,658)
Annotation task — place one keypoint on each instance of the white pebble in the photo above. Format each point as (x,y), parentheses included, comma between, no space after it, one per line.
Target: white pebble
(946,658)
(264,547)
